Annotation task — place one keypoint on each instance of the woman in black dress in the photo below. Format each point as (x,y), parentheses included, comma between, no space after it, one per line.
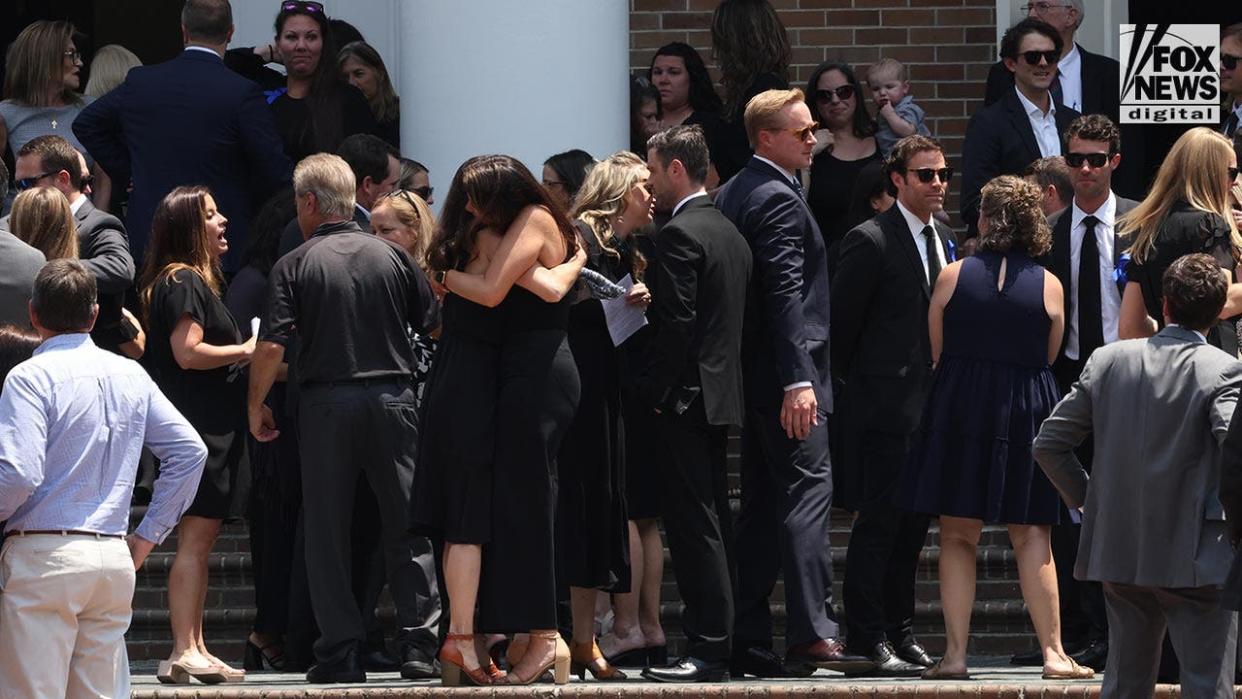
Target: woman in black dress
(196,355)
(1187,210)
(563,175)
(362,66)
(492,416)
(845,145)
(688,97)
(591,523)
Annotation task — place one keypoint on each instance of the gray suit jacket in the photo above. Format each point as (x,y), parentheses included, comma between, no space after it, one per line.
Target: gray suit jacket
(19,264)
(1159,409)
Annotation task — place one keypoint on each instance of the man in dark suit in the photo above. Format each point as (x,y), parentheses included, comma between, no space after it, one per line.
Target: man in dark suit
(51,161)
(189,121)
(786,470)
(693,379)
(1084,237)
(1088,83)
(1024,125)
(882,354)
(1231,79)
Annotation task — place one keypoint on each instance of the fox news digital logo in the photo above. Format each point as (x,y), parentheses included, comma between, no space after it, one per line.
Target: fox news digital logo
(1170,74)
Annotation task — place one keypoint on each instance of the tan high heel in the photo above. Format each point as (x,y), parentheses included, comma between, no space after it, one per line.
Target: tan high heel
(453,668)
(559,663)
(583,657)
(170,672)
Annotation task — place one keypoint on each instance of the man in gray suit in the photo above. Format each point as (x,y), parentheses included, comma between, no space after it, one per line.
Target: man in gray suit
(1153,529)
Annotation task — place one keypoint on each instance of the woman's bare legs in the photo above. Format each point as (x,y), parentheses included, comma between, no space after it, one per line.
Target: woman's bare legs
(1037,574)
(462,565)
(187,590)
(959,540)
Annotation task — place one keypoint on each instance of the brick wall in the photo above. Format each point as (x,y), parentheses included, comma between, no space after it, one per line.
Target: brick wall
(947,44)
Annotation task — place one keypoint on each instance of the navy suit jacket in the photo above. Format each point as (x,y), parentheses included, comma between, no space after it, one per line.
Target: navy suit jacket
(188,121)
(785,335)
(999,141)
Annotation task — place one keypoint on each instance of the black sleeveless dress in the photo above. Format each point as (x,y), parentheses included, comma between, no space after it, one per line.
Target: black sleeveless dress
(538,395)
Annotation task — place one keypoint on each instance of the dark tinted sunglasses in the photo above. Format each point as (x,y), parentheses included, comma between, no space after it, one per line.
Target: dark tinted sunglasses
(301,6)
(1233,173)
(1095,160)
(424,192)
(925,174)
(842,93)
(1229,61)
(1032,57)
(27,182)
(803,133)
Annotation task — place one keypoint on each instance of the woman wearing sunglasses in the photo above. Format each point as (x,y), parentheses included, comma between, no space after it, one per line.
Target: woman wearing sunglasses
(845,145)
(41,81)
(995,324)
(1187,210)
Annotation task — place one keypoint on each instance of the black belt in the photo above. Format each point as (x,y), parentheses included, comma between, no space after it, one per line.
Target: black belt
(65,532)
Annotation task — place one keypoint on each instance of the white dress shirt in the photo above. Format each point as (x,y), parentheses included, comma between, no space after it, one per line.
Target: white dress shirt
(1069,72)
(77,204)
(1044,125)
(204,49)
(692,195)
(1110,297)
(1237,111)
(920,241)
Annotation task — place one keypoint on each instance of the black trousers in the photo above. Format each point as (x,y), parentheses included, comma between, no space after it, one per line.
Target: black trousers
(783,529)
(881,563)
(699,528)
(347,429)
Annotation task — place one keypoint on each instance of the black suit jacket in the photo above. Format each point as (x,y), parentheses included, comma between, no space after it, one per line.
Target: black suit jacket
(103,249)
(785,340)
(700,268)
(188,121)
(880,345)
(1058,259)
(999,141)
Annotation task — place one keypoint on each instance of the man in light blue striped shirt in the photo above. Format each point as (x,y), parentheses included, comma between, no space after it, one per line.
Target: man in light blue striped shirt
(72,421)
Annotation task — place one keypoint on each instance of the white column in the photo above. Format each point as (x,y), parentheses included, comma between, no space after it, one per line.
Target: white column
(527,79)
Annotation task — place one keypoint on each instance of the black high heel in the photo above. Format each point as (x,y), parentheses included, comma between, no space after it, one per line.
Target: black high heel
(255,656)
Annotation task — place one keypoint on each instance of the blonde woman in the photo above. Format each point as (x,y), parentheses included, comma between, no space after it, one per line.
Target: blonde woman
(42,219)
(108,69)
(1187,210)
(592,530)
(41,78)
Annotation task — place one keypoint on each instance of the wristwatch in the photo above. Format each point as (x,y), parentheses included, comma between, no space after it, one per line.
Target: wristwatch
(439,275)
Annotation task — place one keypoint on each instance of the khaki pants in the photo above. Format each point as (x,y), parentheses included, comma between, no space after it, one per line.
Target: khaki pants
(65,604)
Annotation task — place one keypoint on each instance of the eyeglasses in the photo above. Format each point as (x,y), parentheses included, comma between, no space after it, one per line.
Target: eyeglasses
(553,183)
(841,93)
(301,6)
(1229,61)
(1039,7)
(27,182)
(800,133)
(424,192)
(73,55)
(1095,160)
(1032,57)
(925,174)
(1233,173)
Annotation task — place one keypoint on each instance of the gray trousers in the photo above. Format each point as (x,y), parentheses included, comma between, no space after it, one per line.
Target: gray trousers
(1203,635)
(345,429)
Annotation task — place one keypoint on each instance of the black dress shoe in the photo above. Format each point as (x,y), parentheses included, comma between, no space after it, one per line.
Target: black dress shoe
(826,653)
(887,664)
(417,664)
(347,669)
(689,669)
(379,660)
(1034,658)
(756,661)
(913,652)
(1093,656)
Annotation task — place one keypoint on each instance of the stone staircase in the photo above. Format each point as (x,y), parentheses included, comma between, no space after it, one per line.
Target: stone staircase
(999,626)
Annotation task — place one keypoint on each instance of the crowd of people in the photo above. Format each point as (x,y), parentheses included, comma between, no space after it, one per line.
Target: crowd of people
(493,411)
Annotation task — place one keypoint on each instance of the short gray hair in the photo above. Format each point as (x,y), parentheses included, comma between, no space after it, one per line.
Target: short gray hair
(330,178)
(1082,12)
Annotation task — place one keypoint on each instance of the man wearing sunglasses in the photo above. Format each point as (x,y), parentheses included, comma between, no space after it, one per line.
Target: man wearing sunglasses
(1231,78)
(1085,256)
(881,352)
(1025,125)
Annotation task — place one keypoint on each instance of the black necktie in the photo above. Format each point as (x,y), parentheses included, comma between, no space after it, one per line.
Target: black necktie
(933,259)
(1090,314)
(1231,125)
(1058,94)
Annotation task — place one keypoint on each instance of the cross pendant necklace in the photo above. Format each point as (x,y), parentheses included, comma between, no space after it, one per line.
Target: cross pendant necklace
(53,123)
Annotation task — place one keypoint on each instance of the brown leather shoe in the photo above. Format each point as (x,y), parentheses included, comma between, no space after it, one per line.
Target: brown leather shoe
(828,654)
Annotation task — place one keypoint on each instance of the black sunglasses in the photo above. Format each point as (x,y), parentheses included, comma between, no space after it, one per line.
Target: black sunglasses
(424,192)
(925,174)
(1229,61)
(404,194)
(1032,58)
(301,6)
(842,93)
(27,182)
(1233,173)
(1095,160)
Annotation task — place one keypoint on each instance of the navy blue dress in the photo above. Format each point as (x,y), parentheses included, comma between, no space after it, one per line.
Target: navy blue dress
(991,391)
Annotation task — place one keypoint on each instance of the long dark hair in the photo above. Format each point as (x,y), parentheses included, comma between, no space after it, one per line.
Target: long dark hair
(326,126)
(572,167)
(748,40)
(179,241)
(500,188)
(703,97)
(862,125)
(266,228)
(871,182)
